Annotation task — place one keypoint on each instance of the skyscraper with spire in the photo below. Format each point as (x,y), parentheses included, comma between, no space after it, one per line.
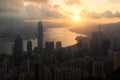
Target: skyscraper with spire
(40,37)
(29,48)
(18,50)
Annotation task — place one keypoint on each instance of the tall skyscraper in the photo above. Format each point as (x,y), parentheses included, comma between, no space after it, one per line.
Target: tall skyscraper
(116,59)
(18,49)
(40,37)
(29,48)
(49,47)
(98,69)
(94,43)
(97,42)
(39,71)
(58,45)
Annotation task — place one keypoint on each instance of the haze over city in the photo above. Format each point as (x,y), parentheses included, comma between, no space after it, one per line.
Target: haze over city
(61,13)
(59,40)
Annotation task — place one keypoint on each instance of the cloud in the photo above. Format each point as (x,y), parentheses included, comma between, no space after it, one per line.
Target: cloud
(114,1)
(41,9)
(72,2)
(38,1)
(109,14)
(50,13)
(106,14)
(16,9)
(11,8)
(43,12)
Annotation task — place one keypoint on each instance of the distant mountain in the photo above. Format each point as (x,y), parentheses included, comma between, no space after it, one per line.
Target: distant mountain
(108,29)
(9,29)
(111,29)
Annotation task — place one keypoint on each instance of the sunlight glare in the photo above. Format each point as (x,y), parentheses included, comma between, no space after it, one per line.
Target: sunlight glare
(25,3)
(76,17)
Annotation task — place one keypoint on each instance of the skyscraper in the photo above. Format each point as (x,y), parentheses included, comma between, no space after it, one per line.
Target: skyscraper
(97,42)
(58,45)
(29,48)
(116,59)
(18,49)
(39,71)
(40,37)
(49,47)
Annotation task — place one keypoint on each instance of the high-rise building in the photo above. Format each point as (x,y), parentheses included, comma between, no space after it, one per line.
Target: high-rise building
(97,43)
(94,43)
(18,50)
(116,42)
(58,45)
(116,59)
(39,70)
(40,37)
(5,65)
(29,48)
(49,47)
(105,47)
(98,69)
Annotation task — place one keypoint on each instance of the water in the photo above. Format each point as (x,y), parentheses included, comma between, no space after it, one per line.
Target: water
(51,34)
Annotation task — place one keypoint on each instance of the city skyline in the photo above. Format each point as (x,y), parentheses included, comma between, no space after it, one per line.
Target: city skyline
(59,40)
(93,57)
(80,16)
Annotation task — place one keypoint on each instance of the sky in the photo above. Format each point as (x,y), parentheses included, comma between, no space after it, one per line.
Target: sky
(80,16)
(62,11)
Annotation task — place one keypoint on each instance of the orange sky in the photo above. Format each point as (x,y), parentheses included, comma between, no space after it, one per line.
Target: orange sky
(62,11)
(78,11)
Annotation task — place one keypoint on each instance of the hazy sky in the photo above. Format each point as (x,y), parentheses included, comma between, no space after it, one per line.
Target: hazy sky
(62,10)
(77,15)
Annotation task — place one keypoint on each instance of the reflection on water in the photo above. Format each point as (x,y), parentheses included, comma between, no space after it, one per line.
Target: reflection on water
(57,34)
(61,34)
(51,34)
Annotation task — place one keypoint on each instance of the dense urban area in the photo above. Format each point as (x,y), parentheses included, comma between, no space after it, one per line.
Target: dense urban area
(95,57)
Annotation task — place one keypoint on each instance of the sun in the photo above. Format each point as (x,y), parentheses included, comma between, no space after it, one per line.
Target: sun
(76,18)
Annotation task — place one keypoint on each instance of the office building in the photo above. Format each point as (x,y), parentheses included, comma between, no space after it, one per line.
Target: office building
(18,50)
(116,59)
(49,47)
(39,71)
(58,45)
(29,48)
(40,37)
(98,69)
(116,42)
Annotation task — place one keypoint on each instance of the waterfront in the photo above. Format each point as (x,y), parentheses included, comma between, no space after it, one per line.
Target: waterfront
(57,34)
(64,35)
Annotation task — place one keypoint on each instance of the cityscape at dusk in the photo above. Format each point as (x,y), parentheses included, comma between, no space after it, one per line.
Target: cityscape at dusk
(59,40)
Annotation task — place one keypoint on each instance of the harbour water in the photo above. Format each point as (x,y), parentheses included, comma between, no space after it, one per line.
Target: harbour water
(51,34)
